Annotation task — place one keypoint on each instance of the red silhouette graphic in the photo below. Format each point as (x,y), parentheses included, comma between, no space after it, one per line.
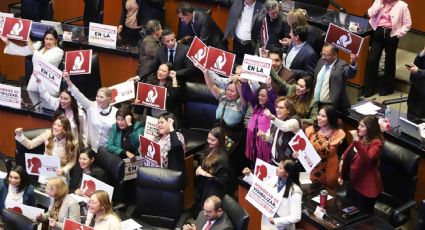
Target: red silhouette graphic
(16,209)
(35,163)
(114,94)
(299,144)
(261,172)
(88,187)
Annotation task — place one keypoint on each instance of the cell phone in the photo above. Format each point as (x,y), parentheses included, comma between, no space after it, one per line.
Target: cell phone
(408,66)
(351,210)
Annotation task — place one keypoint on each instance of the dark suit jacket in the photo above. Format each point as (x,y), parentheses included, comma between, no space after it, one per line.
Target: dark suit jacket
(278,29)
(205,28)
(182,65)
(235,13)
(340,72)
(416,96)
(223,223)
(147,52)
(148,9)
(305,61)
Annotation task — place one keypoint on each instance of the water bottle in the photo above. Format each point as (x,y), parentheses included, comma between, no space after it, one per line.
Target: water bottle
(387,115)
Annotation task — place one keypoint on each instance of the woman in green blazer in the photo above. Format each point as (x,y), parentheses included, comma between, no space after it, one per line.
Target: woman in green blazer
(124,138)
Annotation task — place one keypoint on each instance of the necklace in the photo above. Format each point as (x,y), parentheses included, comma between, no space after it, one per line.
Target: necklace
(103,113)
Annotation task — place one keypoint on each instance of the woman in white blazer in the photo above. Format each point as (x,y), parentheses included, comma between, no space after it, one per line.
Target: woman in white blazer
(287,183)
(47,50)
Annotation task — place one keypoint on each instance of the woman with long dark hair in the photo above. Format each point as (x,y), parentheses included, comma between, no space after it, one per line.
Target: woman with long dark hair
(326,136)
(47,50)
(360,164)
(287,183)
(15,188)
(263,99)
(213,173)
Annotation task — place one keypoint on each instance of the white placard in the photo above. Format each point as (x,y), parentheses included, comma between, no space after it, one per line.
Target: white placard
(307,155)
(264,170)
(28,211)
(2,19)
(151,128)
(256,68)
(3,175)
(131,168)
(264,198)
(49,75)
(90,184)
(102,35)
(130,224)
(44,165)
(122,92)
(10,96)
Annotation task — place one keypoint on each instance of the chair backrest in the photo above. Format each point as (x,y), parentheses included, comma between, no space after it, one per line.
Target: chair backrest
(114,167)
(421,217)
(93,11)
(37,10)
(199,107)
(399,169)
(5,163)
(159,196)
(15,221)
(236,213)
(88,84)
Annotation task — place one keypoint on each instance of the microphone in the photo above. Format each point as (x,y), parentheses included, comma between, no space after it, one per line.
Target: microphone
(399,109)
(33,106)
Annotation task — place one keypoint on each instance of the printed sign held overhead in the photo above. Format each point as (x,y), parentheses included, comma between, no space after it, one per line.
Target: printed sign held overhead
(198,52)
(16,28)
(220,61)
(3,19)
(78,62)
(151,95)
(122,92)
(307,155)
(343,39)
(150,151)
(256,68)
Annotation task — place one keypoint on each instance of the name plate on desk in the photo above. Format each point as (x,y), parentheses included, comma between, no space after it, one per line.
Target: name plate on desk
(343,39)
(10,96)
(102,35)
(16,28)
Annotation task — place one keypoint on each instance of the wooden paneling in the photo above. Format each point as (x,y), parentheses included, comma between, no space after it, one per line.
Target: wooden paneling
(115,69)
(254,214)
(65,9)
(9,122)
(12,66)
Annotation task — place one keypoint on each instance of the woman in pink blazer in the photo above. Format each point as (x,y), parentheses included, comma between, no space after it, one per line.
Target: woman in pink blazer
(390,20)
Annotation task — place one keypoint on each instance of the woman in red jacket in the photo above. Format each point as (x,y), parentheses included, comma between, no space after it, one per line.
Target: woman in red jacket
(360,164)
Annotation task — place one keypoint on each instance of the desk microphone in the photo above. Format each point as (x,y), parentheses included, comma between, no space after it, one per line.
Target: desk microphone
(33,106)
(399,109)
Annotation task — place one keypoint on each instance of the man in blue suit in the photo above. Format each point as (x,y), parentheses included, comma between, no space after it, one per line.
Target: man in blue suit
(301,58)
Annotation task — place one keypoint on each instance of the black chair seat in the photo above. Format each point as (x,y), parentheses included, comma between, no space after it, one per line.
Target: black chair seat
(16,221)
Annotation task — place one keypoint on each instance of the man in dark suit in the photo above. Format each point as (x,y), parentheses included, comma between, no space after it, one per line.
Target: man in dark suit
(331,74)
(212,217)
(171,52)
(277,27)
(198,23)
(301,58)
(242,16)
(416,98)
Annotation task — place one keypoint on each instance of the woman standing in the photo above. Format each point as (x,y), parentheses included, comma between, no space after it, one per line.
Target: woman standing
(101,216)
(124,138)
(325,136)
(390,20)
(62,205)
(214,172)
(287,183)
(282,128)
(360,164)
(15,188)
(47,50)
(86,165)
(58,142)
(263,99)
(171,142)
(67,105)
(100,113)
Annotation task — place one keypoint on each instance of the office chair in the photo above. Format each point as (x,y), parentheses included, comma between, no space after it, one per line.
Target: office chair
(237,215)
(15,221)
(35,9)
(5,163)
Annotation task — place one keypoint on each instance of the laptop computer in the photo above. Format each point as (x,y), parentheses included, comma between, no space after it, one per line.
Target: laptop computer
(410,128)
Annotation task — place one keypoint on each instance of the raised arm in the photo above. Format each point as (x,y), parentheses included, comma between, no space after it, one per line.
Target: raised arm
(211,85)
(81,99)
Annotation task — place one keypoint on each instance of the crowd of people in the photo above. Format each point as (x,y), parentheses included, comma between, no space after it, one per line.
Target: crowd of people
(310,99)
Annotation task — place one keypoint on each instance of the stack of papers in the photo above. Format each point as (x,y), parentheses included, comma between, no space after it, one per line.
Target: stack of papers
(130,224)
(367,108)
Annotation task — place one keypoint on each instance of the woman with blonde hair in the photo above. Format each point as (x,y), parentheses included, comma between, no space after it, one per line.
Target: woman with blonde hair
(58,141)
(62,206)
(101,216)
